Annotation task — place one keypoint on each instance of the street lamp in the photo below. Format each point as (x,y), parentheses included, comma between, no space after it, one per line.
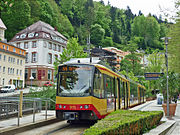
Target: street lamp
(166,58)
(31,78)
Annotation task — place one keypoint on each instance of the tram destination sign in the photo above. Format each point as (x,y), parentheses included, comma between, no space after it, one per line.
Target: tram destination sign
(153,76)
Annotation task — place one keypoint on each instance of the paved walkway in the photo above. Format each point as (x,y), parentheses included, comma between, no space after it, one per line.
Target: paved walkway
(172,123)
(27,119)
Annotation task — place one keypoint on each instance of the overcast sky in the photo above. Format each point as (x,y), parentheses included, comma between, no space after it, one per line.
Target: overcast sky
(146,6)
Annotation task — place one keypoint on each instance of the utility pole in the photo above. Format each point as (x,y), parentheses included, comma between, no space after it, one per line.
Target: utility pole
(166,58)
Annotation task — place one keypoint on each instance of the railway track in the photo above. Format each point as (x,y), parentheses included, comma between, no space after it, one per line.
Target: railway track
(59,128)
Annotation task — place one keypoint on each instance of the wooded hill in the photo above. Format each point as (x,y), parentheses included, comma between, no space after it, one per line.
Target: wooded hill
(106,25)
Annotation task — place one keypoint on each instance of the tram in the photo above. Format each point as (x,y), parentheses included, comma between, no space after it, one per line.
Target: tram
(88,90)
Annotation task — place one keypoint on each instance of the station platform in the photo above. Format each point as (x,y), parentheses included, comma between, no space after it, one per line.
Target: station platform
(170,126)
(10,126)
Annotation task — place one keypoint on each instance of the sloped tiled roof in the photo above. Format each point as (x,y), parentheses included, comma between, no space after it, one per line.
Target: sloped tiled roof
(2,26)
(39,27)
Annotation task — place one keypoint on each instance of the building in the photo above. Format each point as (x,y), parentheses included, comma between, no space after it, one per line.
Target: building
(119,55)
(43,44)
(12,65)
(2,30)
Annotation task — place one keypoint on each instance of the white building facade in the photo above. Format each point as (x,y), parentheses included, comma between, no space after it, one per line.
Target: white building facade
(43,44)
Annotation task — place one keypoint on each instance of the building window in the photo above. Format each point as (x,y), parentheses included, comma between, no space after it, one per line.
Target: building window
(33,73)
(49,74)
(49,58)
(0,56)
(20,72)
(14,50)
(18,45)
(8,70)
(50,45)
(17,71)
(59,48)
(9,59)
(26,74)
(25,45)
(3,46)
(13,70)
(34,45)
(4,57)
(26,58)
(55,57)
(7,47)
(17,61)
(54,47)
(3,82)
(20,51)
(0,68)
(34,57)
(4,69)
(13,60)
(20,62)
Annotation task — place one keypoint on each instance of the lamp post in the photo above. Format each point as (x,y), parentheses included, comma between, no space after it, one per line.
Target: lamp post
(166,58)
(31,78)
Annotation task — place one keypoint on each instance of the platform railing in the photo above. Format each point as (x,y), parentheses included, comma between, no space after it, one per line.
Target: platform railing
(10,107)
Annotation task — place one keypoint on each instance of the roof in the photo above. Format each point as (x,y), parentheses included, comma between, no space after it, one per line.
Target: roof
(94,60)
(43,29)
(2,25)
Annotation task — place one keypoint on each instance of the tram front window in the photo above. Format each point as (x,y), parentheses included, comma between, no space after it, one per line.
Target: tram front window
(75,80)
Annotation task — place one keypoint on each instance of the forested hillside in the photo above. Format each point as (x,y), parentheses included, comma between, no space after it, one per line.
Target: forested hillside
(106,25)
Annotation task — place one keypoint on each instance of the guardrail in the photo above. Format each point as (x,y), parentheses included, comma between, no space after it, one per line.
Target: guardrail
(14,107)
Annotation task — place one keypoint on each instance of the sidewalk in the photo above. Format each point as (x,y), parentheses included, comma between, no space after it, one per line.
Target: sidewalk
(12,123)
(171,125)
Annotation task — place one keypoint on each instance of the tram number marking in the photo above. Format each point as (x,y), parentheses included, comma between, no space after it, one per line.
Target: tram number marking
(72,107)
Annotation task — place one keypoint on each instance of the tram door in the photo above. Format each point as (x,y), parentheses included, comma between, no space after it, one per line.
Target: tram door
(119,93)
(110,93)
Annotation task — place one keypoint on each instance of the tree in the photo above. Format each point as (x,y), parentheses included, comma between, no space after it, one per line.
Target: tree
(174,47)
(5,5)
(73,50)
(155,65)
(97,34)
(66,7)
(18,18)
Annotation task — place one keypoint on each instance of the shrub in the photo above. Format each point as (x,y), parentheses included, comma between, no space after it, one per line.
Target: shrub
(125,122)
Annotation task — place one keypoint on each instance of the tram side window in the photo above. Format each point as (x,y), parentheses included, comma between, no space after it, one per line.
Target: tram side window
(109,87)
(98,81)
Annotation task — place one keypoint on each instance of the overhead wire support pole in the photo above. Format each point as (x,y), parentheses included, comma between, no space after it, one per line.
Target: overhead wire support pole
(167,77)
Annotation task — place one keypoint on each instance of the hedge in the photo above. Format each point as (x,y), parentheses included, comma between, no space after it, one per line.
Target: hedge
(126,122)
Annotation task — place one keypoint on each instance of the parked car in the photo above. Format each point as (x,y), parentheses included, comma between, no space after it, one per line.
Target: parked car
(8,88)
(48,84)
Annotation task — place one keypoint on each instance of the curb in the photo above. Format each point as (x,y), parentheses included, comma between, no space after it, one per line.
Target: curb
(162,129)
(15,130)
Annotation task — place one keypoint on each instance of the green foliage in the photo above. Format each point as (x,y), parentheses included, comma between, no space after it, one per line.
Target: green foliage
(107,42)
(46,92)
(174,47)
(97,34)
(131,63)
(23,13)
(155,65)
(173,86)
(126,122)
(5,5)
(73,50)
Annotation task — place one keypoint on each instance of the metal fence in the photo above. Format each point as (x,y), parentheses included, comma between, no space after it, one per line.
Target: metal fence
(10,106)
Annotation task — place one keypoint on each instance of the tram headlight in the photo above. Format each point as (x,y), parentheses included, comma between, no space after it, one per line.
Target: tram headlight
(81,107)
(64,106)
(86,106)
(60,106)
